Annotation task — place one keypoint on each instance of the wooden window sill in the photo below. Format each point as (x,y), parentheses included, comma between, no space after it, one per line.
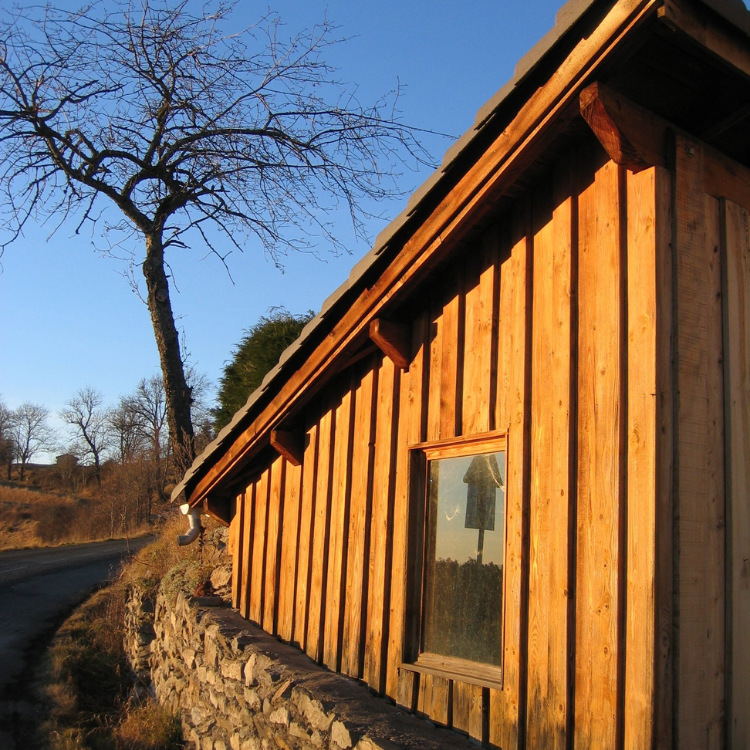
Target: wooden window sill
(461,670)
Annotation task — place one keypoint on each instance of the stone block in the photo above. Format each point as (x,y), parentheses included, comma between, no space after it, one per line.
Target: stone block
(253,699)
(280,716)
(249,670)
(313,712)
(188,656)
(296,730)
(231,670)
(341,736)
(211,653)
(221,576)
(262,728)
(368,743)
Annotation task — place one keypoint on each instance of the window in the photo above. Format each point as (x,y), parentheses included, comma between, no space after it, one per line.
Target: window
(463,555)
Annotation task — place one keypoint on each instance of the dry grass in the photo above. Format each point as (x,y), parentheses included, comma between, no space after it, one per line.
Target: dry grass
(87,686)
(38,518)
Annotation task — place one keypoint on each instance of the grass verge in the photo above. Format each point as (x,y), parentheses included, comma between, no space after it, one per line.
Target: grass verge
(86,686)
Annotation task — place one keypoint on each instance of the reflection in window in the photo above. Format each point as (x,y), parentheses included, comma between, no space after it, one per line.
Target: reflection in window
(464,557)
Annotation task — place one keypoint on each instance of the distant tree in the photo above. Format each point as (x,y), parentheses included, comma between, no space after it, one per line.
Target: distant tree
(31,433)
(7,446)
(127,436)
(257,352)
(182,124)
(91,426)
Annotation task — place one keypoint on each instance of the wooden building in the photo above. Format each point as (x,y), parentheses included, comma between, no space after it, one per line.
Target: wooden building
(502,477)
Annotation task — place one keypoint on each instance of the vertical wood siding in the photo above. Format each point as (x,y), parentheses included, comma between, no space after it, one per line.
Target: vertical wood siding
(552,325)
(736,255)
(700,457)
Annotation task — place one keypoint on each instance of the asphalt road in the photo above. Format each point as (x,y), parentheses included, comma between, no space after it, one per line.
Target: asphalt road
(37,589)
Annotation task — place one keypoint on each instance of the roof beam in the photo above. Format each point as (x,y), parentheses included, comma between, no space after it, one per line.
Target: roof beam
(393,339)
(636,138)
(632,136)
(723,42)
(217,508)
(290,444)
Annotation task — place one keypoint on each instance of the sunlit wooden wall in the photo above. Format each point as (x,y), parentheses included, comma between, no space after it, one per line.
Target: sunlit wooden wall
(559,324)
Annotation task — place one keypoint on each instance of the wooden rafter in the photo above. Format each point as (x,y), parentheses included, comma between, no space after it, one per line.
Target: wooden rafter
(624,129)
(290,444)
(218,509)
(393,339)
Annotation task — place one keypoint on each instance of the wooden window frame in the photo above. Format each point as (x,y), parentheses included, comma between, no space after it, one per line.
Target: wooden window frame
(416,660)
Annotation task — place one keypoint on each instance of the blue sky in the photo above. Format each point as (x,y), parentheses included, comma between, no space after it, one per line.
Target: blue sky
(68,318)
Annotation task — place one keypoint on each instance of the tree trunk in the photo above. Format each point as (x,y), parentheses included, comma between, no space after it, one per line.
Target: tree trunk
(176,390)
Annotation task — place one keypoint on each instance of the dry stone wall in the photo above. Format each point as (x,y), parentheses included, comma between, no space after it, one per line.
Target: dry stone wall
(237,688)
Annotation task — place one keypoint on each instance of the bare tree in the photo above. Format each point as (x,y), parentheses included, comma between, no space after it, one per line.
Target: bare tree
(190,130)
(91,425)
(127,434)
(147,408)
(31,433)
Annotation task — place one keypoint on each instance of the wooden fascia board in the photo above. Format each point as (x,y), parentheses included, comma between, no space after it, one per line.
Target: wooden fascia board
(721,40)
(615,120)
(502,163)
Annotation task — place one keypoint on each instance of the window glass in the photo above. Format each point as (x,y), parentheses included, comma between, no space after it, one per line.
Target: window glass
(464,557)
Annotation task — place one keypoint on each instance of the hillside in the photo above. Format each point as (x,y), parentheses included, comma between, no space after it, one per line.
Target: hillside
(63,505)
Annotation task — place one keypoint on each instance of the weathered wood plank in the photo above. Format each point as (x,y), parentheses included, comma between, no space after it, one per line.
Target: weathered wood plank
(435,367)
(304,557)
(338,529)
(736,255)
(236,529)
(700,475)
(641,468)
(665,456)
(513,414)
(273,546)
(360,505)
(259,547)
(248,541)
(480,356)
(640,633)
(548,644)
(407,688)
(468,709)
(290,543)
(410,432)
(451,365)
(381,525)
(599,480)
(437,698)
(319,558)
